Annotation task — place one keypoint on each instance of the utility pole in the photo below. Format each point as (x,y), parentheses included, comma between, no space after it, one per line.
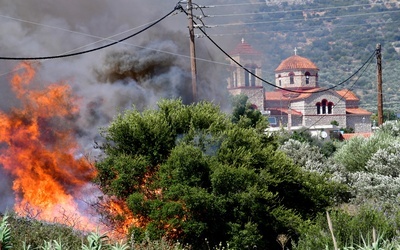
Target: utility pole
(192,50)
(379,78)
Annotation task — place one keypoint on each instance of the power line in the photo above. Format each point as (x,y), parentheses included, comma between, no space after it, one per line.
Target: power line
(302,19)
(108,39)
(305,30)
(292,11)
(343,96)
(236,4)
(177,7)
(265,81)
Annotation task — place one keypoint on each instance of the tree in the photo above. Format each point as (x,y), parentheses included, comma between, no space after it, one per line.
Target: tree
(245,114)
(190,173)
(370,165)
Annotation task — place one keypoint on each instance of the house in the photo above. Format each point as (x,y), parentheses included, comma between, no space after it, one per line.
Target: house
(297,100)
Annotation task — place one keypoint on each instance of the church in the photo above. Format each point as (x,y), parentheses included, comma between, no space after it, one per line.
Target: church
(297,102)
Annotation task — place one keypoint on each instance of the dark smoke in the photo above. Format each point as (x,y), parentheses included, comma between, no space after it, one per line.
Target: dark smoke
(139,72)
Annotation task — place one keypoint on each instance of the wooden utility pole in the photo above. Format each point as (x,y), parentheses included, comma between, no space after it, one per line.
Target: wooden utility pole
(192,50)
(379,78)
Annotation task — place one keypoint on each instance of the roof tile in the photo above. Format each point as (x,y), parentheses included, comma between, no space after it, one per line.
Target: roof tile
(296,62)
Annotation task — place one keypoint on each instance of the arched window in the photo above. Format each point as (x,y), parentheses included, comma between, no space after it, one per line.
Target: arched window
(246,78)
(307,74)
(252,77)
(316,78)
(330,106)
(279,80)
(324,103)
(235,79)
(318,108)
(291,75)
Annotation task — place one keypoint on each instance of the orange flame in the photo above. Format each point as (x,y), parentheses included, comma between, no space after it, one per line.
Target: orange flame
(38,148)
(117,216)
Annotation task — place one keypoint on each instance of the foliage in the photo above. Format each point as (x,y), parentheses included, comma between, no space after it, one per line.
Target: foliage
(388,115)
(305,155)
(355,153)
(32,234)
(5,234)
(352,230)
(96,241)
(52,245)
(370,165)
(29,234)
(209,178)
(245,115)
(390,128)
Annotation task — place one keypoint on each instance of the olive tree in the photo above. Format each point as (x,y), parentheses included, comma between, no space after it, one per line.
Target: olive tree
(190,173)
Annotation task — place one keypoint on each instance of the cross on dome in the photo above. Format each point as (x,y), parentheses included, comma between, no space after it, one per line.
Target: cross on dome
(295,50)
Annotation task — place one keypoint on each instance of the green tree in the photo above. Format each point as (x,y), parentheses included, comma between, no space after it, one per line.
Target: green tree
(190,173)
(246,115)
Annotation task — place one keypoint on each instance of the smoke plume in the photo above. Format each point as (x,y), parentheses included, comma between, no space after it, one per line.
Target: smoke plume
(139,71)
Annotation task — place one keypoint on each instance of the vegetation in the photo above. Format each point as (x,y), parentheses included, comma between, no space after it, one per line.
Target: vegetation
(190,173)
(197,178)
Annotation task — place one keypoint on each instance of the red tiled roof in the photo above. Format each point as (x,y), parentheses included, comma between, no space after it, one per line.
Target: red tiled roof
(277,111)
(286,95)
(349,136)
(244,48)
(348,95)
(357,111)
(296,62)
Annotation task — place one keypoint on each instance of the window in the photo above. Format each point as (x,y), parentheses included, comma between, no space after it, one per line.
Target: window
(279,80)
(291,75)
(272,120)
(324,107)
(252,77)
(307,74)
(316,78)
(318,108)
(330,106)
(246,78)
(324,102)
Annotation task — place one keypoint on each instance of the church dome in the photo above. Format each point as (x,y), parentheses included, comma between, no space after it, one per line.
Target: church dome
(296,62)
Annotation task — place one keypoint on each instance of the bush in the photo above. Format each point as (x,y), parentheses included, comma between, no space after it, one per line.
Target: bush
(351,227)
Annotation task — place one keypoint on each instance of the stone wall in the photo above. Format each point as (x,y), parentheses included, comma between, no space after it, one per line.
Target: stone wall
(360,123)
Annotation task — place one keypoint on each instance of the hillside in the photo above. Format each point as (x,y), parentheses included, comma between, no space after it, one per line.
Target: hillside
(339,36)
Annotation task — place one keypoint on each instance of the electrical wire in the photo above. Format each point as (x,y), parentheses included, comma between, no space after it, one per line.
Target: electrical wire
(343,96)
(285,89)
(305,30)
(292,11)
(302,19)
(177,7)
(271,84)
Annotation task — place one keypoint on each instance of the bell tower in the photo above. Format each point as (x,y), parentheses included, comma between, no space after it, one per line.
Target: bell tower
(244,81)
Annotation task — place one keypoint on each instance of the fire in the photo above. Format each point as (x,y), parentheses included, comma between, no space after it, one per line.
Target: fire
(38,148)
(117,215)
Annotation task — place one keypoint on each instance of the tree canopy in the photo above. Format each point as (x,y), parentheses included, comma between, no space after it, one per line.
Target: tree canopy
(194,174)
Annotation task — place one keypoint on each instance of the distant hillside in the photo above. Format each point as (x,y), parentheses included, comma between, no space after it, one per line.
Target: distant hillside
(339,36)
